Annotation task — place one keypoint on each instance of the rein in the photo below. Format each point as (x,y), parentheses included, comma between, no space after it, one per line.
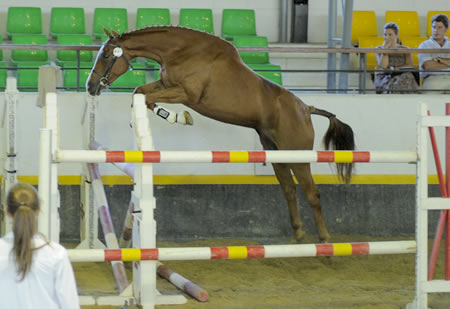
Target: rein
(117,53)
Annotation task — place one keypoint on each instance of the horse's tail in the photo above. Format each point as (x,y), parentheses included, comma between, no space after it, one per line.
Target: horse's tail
(339,136)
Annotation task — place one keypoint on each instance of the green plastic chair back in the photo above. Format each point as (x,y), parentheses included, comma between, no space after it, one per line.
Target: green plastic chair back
(29,55)
(130,79)
(67,21)
(110,18)
(149,16)
(238,22)
(24,20)
(274,76)
(70,76)
(63,56)
(3,74)
(199,19)
(1,51)
(29,78)
(252,41)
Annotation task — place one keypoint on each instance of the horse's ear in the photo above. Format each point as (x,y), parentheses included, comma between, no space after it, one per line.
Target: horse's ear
(107,32)
(115,33)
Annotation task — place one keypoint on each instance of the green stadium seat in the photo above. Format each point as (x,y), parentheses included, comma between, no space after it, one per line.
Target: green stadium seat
(1,51)
(198,19)
(3,75)
(150,16)
(238,22)
(112,19)
(67,21)
(274,76)
(252,41)
(24,20)
(18,56)
(63,56)
(29,78)
(130,79)
(70,76)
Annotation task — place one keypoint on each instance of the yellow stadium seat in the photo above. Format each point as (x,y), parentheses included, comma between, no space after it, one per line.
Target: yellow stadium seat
(430,15)
(407,21)
(364,24)
(371,42)
(414,42)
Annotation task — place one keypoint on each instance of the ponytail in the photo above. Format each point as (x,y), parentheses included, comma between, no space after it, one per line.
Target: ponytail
(24,227)
(22,203)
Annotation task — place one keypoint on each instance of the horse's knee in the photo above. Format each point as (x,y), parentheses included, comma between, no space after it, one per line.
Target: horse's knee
(290,192)
(314,199)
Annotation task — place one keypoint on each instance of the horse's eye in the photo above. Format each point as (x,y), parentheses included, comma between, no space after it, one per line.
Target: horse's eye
(106,56)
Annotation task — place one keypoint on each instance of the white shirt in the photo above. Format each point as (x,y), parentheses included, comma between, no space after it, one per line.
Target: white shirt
(50,284)
(432,44)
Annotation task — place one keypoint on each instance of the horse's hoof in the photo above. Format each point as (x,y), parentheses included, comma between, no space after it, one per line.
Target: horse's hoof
(188,117)
(324,240)
(299,235)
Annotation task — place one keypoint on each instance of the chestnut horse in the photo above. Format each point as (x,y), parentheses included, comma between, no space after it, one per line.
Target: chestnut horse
(205,73)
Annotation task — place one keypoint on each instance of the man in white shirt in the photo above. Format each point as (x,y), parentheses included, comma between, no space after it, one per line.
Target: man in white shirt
(441,61)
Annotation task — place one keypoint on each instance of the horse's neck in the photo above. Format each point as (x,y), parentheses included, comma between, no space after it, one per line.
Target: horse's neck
(156,46)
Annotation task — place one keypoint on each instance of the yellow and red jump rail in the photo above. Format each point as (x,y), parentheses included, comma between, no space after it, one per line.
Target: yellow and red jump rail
(243,252)
(275,156)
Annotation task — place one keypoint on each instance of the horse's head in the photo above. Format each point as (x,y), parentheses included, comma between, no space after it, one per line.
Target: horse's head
(111,62)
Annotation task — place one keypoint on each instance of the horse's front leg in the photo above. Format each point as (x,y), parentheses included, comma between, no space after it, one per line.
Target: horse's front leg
(156,92)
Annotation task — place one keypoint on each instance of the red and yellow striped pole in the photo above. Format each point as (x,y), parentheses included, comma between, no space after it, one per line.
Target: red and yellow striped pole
(275,156)
(244,252)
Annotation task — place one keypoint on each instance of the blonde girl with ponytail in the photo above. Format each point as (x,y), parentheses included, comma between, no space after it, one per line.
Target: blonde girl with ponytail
(34,272)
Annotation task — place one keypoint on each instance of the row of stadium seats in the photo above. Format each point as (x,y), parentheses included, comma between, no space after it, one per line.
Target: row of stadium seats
(364,23)
(365,35)
(67,26)
(63,20)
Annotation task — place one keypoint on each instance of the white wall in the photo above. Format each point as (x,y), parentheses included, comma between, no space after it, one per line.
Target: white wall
(318,14)
(380,123)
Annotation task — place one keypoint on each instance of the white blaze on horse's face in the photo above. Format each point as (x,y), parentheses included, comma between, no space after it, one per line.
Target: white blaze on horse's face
(89,84)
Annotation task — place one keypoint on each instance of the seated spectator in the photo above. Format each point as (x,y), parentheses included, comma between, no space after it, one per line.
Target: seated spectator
(441,61)
(34,273)
(391,80)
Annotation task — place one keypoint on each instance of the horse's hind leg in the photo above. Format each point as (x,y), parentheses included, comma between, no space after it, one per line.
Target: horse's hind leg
(303,174)
(287,184)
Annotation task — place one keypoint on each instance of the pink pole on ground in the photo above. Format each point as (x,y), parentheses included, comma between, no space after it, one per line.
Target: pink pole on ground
(182,283)
(127,231)
(118,268)
(441,222)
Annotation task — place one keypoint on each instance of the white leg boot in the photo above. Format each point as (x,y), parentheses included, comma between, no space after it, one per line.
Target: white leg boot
(181,117)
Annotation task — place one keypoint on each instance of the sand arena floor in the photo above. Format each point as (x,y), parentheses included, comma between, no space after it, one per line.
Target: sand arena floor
(364,282)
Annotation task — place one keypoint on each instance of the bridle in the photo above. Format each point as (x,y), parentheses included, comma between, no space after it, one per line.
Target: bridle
(117,53)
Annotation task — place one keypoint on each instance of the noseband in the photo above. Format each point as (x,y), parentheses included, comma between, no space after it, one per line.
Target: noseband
(117,53)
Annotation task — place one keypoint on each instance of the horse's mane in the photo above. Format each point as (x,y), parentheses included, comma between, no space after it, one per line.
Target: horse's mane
(159,28)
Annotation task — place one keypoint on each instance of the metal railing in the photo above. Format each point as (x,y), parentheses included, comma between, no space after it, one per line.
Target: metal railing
(362,71)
